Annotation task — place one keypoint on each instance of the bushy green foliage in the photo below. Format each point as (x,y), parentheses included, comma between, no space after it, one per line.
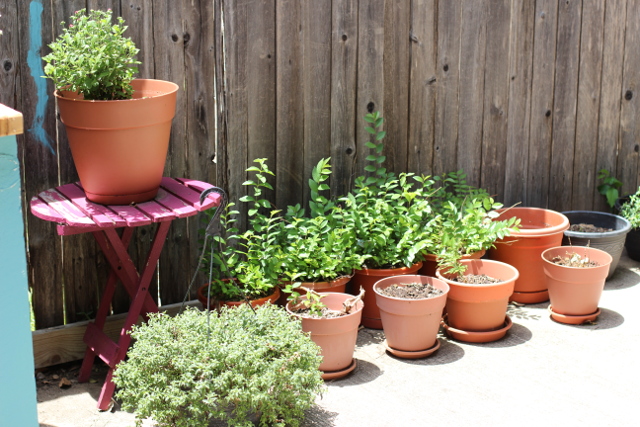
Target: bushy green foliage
(631,209)
(93,57)
(184,370)
(610,187)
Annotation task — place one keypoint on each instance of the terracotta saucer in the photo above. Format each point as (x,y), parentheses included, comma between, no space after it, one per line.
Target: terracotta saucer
(412,354)
(571,319)
(530,297)
(332,375)
(477,337)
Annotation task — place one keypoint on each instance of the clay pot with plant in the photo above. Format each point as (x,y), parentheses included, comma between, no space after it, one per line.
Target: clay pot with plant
(480,289)
(390,222)
(332,320)
(411,309)
(575,278)
(118,128)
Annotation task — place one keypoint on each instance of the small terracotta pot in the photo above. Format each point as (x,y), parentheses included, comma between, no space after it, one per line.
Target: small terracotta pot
(575,291)
(335,336)
(480,308)
(120,147)
(365,279)
(430,263)
(540,229)
(339,285)
(202,297)
(410,324)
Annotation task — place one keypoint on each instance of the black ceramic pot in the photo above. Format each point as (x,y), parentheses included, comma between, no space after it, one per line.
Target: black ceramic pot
(611,242)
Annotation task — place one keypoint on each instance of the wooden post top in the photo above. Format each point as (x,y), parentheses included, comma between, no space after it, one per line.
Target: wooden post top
(10,121)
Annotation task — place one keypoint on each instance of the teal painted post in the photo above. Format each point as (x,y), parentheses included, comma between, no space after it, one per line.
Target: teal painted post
(17,383)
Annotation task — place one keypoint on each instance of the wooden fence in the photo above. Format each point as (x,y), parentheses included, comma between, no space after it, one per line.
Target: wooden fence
(530,98)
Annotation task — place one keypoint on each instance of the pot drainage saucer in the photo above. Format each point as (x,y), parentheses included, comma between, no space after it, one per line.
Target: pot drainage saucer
(412,354)
(475,336)
(530,297)
(571,319)
(332,375)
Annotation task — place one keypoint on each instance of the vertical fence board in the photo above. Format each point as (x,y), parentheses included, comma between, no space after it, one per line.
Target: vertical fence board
(520,74)
(445,144)
(586,145)
(496,98)
(422,92)
(10,54)
(610,93)
(397,28)
(565,104)
(138,14)
(542,85)
(630,102)
(316,63)
(290,106)
(471,92)
(40,164)
(370,83)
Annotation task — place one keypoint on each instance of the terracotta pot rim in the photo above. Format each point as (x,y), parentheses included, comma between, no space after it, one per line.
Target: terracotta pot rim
(388,271)
(332,283)
(200,293)
(434,258)
(561,223)
(546,255)
(410,277)
(173,88)
(487,285)
(358,308)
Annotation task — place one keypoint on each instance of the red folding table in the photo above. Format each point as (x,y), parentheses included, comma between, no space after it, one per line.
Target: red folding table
(68,206)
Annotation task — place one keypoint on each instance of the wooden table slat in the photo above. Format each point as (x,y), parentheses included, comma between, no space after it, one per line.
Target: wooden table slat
(70,213)
(177,205)
(214,199)
(41,209)
(100,214)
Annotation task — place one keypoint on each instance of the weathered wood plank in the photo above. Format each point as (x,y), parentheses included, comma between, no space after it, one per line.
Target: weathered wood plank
(584,157)
(38,151)
(447,87)
(471,92)
(423,83)
(565,104)
(610,92)
(344,66)
(10,57)
(629,148)
(397,29)
(316,23)
(290,135)
(520,96)
(496,99)
(370,89)
(544,56)
(138,14)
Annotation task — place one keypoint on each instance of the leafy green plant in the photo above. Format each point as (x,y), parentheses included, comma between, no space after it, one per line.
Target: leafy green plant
(391,221)
(610,187)
(93,57)
(631,209)
(185,370)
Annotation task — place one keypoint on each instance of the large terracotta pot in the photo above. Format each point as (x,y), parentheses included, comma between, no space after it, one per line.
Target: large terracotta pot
(575,291)
(338,285)
(202,297)
(478,313)
(611,242)
(335,336)
(430,263)
(120,147)
(540,229)
(365,279)
(411,325)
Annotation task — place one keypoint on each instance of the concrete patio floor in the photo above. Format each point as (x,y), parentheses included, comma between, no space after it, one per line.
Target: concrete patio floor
(540,373)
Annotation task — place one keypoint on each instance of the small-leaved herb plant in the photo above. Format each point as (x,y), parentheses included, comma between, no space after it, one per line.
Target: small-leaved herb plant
(391,221)
(183,371)
(93,57)
(631,209)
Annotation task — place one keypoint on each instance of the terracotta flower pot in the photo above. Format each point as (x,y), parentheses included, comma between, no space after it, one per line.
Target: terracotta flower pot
(365,279)
(540,229)
(575,291)
(411,325)
(430,263)
(202,297)
(120,147)
(335,336)
(611,242)
(478,313)
(339,285)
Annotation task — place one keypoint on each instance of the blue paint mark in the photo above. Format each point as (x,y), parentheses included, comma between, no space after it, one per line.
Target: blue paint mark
(35,64)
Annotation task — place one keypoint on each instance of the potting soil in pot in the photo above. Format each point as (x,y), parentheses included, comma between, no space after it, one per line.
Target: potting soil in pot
(589,228)
(476,279)
(572,259)
(411,291)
